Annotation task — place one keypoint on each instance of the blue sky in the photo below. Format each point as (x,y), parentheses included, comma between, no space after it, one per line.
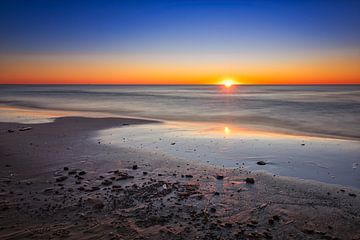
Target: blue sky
(177,26)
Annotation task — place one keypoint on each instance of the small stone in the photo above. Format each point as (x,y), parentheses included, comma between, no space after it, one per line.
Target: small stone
(66,168)
(172,143)
(106,182)
(71,172)
(261,163)
(216,193)
(145,173)
(189,176)
(250,180)
(276,217)
(134,167)
(352,194)
(212,210)
(10,131)
(82,173)
(62,178)
(25,128)
(219,177)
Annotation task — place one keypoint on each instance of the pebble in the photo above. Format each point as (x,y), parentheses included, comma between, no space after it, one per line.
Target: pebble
(250,180)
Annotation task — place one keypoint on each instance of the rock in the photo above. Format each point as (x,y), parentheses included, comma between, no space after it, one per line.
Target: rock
(82,173)
(172,143)
(216,193)
(95,188)
(106,182)
(261,163)
(10,130)
(352,194)
(145,173)
(25,128)
(250,180)
(276,217)
(122,176)
(134,167)
(66,168)
(189,176)
(212,210)
(219,177)
(61,178)
(71,172)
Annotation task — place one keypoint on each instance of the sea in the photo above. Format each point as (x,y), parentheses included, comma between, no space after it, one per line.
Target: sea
(310,132)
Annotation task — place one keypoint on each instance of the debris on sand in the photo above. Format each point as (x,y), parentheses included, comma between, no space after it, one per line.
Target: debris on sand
(25,129)
(261,163)
(352,194)
(61,178)
(106,182)
(250,180)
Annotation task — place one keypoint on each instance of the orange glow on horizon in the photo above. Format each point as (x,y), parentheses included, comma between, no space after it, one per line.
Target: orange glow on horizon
(104,69)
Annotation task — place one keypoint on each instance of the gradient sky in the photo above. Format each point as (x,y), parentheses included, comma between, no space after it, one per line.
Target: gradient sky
(179,42)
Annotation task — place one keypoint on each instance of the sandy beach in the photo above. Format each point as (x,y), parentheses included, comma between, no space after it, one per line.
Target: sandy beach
(57,183)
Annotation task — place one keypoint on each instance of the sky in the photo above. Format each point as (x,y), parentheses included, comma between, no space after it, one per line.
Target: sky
(179,42)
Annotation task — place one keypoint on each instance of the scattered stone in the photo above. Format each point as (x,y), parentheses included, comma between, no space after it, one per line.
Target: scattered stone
(145,173)
(66,168)
(82,173)
(61,178)
(261,163)
(172,143)
(106,182)
(216,193)
(250,180)
(25,129)
(219,177)
(212,210)
(276,217)
(352,194)
(71,172)
(189,176)
(10,130)
(134,167)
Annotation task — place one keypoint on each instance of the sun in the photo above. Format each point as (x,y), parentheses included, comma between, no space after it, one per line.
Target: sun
(228,83)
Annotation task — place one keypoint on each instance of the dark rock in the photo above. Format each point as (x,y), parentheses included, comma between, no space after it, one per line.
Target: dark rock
(172,143)
(271,221)
(10,131)
(82,173)
(212,210)
(219,177)
(276,217)
(189,176)
(25,128)
(216,193)
(261,163)
(250,180)
(61,178)
(352,194)
(66,168)
(134,167)
(106,182)
(145,173)
(71,172)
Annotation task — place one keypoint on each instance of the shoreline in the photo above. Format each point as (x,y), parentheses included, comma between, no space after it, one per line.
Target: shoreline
(179,198)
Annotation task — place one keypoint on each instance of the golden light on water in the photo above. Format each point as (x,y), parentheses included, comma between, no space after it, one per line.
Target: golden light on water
(228,83)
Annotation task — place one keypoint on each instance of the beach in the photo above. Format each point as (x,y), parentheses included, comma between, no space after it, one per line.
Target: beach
(57,182)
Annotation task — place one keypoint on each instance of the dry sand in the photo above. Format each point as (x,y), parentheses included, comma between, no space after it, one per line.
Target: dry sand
(56,183)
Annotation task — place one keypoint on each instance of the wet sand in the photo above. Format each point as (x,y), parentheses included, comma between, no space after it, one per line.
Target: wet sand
(56,183)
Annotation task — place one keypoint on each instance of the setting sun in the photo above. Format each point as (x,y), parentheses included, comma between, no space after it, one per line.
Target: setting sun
(228,83)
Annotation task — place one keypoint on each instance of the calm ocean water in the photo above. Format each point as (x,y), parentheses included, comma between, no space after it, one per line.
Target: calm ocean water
(315,110)
(308,132)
